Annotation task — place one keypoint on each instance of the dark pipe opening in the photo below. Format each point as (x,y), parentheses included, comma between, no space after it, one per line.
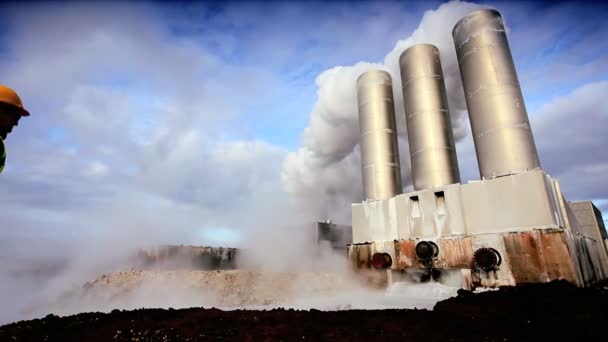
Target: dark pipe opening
(381,260)
(426,250)
(487,259)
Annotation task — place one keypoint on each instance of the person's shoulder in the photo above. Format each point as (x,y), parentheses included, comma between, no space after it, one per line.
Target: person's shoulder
(2,154)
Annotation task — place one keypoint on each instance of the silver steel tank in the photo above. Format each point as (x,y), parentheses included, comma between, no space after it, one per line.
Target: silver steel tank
(379,149)
(501,130)
(429,129)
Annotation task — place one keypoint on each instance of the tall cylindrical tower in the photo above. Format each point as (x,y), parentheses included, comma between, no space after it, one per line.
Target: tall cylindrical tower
(429,129)
(501,129)
(379,149)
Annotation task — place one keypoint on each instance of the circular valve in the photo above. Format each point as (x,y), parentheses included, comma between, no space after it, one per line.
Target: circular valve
(487,259)
(426,250)
(382,260)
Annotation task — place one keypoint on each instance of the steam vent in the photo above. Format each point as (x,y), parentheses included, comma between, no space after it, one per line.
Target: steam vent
(513,225)
(379,150)
(429,132)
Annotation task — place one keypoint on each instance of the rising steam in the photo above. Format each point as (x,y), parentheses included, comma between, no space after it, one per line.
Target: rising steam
(323,176)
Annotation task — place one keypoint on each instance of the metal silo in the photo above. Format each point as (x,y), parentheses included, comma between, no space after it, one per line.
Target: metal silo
(379,149)
(429,129)
(501,129)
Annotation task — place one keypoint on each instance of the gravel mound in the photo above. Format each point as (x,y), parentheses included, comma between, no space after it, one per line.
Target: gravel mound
(190,288)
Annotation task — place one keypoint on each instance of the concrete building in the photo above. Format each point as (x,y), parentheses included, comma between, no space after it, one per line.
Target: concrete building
(513,225)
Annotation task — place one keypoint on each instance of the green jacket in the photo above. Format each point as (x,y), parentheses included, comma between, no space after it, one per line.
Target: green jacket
(2,154)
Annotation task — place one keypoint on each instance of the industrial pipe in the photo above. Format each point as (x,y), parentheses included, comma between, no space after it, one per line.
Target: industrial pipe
(426,250)
(381,260)
(501,130)
(487,259)
(429,129)
(379,150)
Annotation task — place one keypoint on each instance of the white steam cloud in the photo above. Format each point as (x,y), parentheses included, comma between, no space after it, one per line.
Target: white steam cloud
(323,175)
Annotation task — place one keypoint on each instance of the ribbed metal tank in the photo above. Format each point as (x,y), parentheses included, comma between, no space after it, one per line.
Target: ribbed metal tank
(501,130)
(429,129)
(379,149)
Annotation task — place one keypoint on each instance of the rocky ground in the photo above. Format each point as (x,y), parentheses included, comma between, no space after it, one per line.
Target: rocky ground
(554,311)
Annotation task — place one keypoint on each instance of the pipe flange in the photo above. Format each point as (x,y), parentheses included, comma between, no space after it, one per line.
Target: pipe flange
(381,261)
(487,259)
(426,250)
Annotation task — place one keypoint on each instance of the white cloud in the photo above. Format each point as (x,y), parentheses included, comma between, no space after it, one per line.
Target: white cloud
(570,132)
(323,175)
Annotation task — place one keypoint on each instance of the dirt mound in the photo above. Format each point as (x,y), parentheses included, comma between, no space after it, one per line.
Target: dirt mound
(187,288)
(241,289)
(225,288)
(555,311)
(535,299)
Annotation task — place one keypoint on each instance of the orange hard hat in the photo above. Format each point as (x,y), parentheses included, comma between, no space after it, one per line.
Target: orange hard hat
(9,97)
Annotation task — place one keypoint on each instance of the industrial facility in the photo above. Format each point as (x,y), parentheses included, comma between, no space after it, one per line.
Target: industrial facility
(511,226)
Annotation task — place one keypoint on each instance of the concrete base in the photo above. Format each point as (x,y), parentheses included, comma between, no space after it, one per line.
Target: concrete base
(525,257)
(521,220)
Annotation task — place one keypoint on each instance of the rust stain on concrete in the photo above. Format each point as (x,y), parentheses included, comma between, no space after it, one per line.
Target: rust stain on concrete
(557,258)
(528,257)
(455,253)
(405,253)
(359,256)
(524,257)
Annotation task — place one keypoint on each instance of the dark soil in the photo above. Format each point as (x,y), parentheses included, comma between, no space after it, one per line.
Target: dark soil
(556,311)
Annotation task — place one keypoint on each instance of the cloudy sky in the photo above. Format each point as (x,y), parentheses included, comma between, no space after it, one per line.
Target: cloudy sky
(208,123)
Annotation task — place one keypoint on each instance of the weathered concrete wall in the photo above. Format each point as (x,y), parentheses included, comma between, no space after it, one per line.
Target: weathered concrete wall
(589,220)
(523,217)
(526,257)
(587,242)
(513,203)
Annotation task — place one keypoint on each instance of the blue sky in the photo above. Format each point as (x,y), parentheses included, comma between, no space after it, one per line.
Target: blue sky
(237,33)
(227,114)
(302,27)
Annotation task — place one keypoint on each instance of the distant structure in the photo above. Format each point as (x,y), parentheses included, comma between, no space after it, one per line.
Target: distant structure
(170,257)
(337,236)
(513,225)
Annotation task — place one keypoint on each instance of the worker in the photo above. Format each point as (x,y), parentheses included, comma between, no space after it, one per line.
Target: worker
(11,110)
